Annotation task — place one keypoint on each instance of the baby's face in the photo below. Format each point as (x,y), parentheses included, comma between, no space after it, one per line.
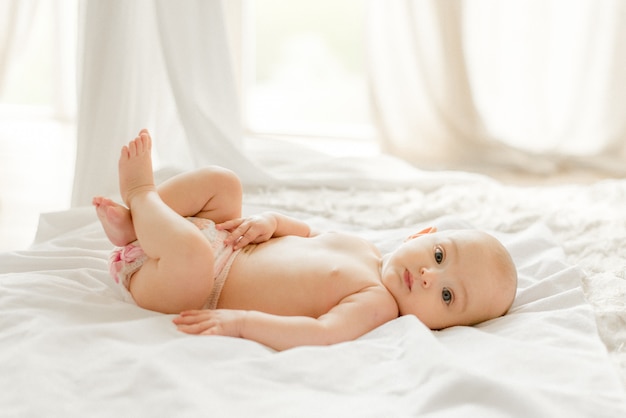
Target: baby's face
(450,278)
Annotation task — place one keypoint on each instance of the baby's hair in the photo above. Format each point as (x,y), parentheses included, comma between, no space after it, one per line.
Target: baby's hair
(506,271)
(505,276)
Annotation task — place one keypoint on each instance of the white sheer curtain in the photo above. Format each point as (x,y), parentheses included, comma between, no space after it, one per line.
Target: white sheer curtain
(535,85)
(26,25)
(163,65)
(16,19)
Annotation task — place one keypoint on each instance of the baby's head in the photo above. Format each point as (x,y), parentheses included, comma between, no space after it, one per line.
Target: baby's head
(457,277)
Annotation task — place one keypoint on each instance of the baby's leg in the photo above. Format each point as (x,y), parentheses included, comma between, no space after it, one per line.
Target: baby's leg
(178,273)
(213,192)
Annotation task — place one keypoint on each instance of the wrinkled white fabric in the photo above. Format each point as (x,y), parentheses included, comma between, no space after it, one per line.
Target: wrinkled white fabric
(74,346)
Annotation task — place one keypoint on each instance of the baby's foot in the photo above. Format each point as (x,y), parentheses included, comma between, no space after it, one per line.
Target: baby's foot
(116,221)
(135,167)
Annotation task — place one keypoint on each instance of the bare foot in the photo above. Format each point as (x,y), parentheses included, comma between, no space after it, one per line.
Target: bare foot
(135,167)
(116,221)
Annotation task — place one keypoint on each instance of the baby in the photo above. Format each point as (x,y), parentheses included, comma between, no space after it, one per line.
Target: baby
(184,248)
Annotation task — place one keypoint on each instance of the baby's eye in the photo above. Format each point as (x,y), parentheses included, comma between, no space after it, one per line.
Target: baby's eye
(438,255)
(446,295)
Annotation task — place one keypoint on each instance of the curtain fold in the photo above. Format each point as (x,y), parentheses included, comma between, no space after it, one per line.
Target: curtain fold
(424,103)
(194,45)
(535,86)
(165,66)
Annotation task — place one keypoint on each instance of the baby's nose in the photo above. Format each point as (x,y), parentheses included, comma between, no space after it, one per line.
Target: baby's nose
(427,277)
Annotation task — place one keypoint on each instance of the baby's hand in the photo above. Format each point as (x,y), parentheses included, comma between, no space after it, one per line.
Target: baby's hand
(225,322)
(243,231)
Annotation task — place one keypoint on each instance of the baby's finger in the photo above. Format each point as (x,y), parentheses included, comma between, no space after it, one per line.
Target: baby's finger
(184,320)
(233,236)
(194,328)
(241,236)
(250,234)
(229,225)
(241,242)
(191,312)
(191,317)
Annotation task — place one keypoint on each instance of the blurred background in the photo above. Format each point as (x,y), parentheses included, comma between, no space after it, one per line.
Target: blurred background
(527,91)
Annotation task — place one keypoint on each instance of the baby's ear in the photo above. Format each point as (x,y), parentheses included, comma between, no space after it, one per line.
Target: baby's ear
(429,230)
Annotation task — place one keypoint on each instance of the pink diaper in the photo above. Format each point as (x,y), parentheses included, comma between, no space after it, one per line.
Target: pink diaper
(124,261)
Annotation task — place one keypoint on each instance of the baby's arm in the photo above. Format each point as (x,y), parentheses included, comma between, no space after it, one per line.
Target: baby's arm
(354,316)
(260,228)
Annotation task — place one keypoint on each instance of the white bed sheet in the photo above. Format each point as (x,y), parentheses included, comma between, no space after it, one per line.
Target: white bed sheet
(72,343)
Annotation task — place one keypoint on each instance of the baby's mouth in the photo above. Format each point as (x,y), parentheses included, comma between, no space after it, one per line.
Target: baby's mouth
(408,279)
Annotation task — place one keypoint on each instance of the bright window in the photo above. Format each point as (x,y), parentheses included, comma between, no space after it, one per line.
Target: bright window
(304,68)
(40,72)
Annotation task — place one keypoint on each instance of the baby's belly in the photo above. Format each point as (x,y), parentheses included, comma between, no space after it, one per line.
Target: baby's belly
(293,276)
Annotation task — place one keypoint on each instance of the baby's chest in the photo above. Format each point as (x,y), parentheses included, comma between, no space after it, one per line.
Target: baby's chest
(326,256)
(294,281)
(295,270)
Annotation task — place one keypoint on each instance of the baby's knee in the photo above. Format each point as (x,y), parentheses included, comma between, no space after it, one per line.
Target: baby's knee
(222,179)
(230,191)
(220,175)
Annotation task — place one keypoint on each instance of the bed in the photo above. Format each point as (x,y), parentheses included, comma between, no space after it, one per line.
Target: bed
(72,343)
